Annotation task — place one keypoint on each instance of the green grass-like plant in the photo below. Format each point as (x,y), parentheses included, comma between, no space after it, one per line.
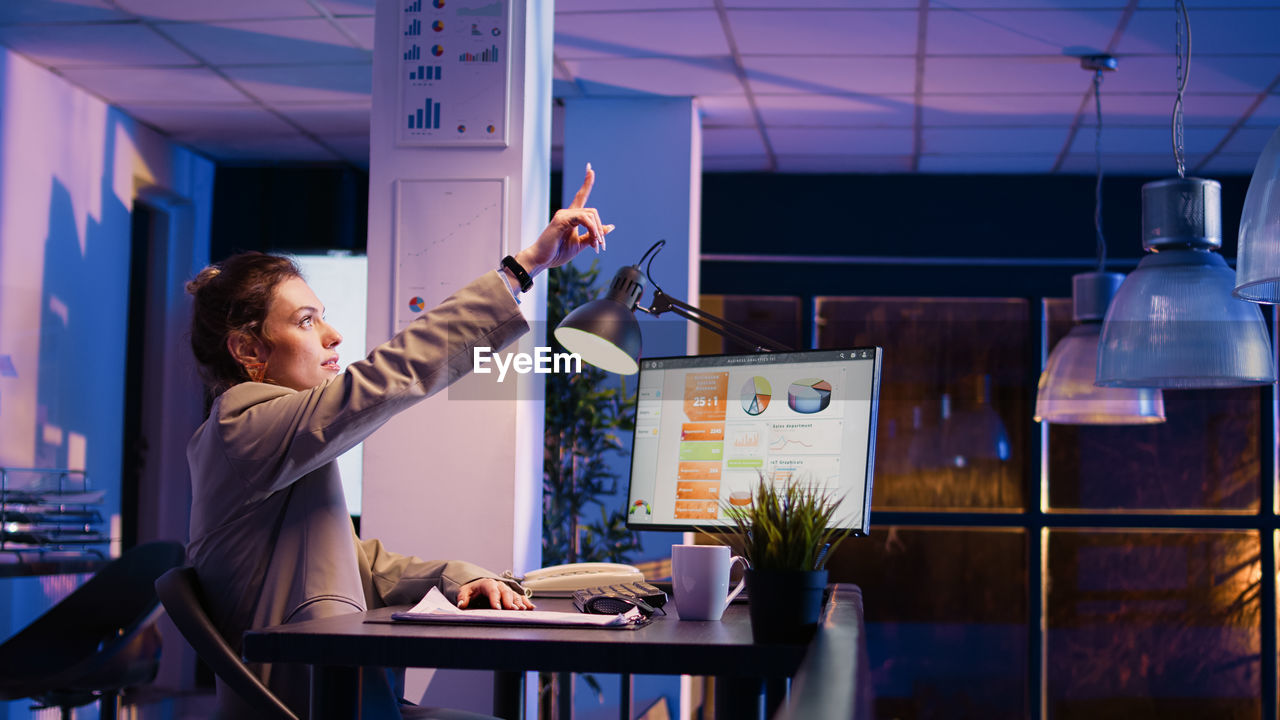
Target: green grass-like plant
(785,527)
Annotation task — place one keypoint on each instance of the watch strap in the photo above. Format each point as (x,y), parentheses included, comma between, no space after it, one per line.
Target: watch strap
(522,275)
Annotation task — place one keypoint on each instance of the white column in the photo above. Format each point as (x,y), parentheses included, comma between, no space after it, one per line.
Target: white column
(457,478)
(647,154)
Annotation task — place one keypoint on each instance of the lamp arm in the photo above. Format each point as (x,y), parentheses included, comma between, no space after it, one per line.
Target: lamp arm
(663,302)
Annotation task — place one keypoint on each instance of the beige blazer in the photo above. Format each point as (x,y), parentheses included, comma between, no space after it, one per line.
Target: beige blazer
(271,537)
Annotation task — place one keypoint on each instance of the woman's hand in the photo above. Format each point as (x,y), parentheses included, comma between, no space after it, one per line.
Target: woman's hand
(561,241)
(499,594)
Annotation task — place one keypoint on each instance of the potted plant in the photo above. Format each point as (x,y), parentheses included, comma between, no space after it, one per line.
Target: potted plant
(786,535)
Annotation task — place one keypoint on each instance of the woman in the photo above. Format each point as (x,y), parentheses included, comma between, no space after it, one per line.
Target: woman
(271,537)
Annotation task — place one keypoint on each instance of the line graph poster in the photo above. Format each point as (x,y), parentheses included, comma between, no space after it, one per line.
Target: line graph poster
(455,72)
(431,217)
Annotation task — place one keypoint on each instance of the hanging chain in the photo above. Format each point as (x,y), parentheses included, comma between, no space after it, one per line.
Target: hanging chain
(1182,24)
(1097,161)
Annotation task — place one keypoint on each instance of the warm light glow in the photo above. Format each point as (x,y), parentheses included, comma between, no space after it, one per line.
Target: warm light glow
(597,351)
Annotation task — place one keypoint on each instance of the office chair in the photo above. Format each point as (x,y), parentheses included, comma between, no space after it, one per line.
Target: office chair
(179,591)
(99,640)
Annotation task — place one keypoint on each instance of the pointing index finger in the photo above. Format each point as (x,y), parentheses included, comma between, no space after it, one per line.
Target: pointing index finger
(584,192)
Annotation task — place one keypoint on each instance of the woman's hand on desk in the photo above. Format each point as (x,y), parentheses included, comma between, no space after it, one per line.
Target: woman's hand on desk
(498,593)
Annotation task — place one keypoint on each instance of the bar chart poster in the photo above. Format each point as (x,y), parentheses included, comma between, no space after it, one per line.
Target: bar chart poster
(432,218)
(455,72)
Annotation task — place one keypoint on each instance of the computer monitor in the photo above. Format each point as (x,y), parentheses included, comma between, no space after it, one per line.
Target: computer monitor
(708,426)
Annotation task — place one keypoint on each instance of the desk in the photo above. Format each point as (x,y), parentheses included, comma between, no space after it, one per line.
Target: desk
(337,647)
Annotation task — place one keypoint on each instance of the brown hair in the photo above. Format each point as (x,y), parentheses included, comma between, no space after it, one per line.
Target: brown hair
(232,296)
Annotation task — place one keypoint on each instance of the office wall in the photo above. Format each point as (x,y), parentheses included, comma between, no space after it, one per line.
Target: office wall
(70,170)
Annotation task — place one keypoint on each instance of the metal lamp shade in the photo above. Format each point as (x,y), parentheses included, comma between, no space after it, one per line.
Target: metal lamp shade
(605,333)
(1175,324)
(1067,394)
(1258,255)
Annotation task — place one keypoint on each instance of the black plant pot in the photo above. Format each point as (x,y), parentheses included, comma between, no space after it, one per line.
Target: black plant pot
(785,604)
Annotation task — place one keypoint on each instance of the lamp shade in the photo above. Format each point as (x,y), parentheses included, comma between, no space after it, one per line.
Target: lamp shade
(605,332)
(1258,255)
(1067,394)
(1175,324)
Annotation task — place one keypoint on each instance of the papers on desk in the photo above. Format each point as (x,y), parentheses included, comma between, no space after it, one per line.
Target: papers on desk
(436,608)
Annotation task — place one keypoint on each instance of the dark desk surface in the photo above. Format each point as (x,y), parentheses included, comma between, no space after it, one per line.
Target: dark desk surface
(666,646)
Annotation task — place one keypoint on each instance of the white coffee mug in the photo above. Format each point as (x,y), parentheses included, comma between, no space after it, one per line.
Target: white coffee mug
(700,580)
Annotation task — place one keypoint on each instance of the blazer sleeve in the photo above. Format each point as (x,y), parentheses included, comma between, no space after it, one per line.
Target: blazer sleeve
(274,435)
(393,579)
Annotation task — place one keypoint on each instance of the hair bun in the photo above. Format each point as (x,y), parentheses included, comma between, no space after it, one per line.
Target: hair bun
(203,278)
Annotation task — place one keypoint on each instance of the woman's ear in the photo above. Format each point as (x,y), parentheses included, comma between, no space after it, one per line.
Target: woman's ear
(246,348)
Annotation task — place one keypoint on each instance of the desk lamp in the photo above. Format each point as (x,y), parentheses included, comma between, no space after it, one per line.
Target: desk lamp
(606,333)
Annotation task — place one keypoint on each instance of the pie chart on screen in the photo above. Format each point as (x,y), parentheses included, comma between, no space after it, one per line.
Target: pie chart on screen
(809,396)
(755,395)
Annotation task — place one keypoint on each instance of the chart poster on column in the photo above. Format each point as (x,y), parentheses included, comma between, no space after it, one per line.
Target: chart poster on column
(455,72)
(438,225)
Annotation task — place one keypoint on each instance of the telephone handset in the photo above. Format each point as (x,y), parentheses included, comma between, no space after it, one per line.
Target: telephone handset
(562,580)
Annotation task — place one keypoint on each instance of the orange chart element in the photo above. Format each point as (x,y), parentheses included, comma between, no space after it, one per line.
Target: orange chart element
(698,491)
(699,432)
(755,395)
(696,510)
(705,395)
(697,470)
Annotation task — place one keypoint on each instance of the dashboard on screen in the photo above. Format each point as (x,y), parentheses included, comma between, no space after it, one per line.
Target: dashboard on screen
(709,427)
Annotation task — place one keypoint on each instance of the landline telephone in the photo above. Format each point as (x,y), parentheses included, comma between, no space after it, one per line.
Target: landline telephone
(562,580)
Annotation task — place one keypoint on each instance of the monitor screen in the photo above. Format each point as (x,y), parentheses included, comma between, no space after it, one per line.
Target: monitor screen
(708,427)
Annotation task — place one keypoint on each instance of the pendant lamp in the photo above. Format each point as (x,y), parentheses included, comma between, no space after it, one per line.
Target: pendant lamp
(1258,255)
(1174,322)
(1067,393)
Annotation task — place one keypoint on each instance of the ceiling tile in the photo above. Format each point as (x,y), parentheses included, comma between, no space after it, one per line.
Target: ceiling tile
(822,74)
(979,163)
(251,149)
(1156,108)
(571,6)
(1122,164)
(1228,164)
(43,11)
(732,141)
(121,86)
(193,121)
(844,164)
(1235,31)
(349,7)
(837,111)
(735,163)
(267,41)
(360,28)
(1007,110)
(1267,112)
(726,110)
(329,119)
(1019,32)
(1248,141)
(840,141)
(1044,140)
(102,45)
(1143,140)
(830,4)
(1027,4)
(1194,5)
(639,34)
(306,83)
(656,76)
(986,75)
(836,32)
(1209,74)
(220,10)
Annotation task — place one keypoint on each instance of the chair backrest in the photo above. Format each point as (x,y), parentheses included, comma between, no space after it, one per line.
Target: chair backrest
(180,593)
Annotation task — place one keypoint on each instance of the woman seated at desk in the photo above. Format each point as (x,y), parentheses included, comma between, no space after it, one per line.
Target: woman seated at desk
(271,537)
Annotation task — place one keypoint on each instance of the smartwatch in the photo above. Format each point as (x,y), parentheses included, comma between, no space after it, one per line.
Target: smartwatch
(522,275)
